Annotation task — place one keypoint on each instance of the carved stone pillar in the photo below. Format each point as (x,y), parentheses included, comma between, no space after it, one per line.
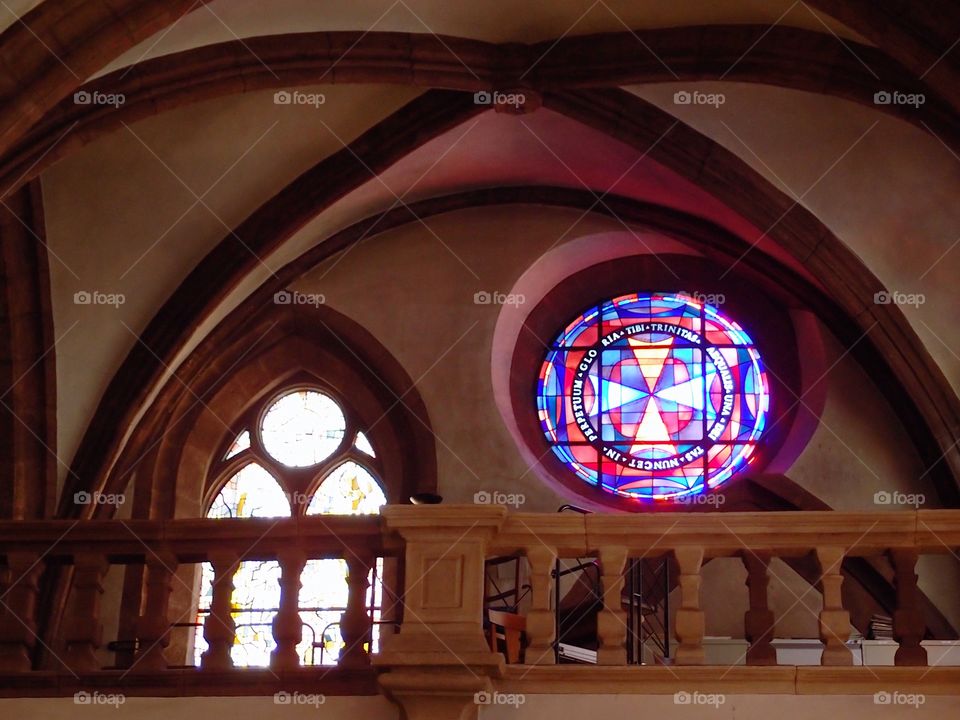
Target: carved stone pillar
(287,627)
(541,621)
(355,621)
(18,621)
(438,666)
(219,629)
(153,626)
(908,624)
(758,621)
(83,629)
(689,620)
(834,620)
(612,621)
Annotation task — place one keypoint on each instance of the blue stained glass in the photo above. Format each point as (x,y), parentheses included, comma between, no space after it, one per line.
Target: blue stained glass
(653,396)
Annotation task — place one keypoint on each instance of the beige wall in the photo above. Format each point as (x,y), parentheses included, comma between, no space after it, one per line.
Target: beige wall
(415,293)
(534,707)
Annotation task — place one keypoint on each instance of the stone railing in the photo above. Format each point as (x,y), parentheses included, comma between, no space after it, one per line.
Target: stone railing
(440,658)
(445,548)
(78,555)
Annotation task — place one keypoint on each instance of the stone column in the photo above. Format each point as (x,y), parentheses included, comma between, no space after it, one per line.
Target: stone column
(541,620)
(287,627)
(908,624)
(18,621)
(219,629)
(438,667)
(834,620)
(83,631)
(689,620)
(355,621)
(758,621)
(153,626)
(612,621)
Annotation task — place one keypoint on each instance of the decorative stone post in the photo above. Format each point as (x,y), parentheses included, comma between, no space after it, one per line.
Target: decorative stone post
(355,621)
(153,626)
(83,630)
(439,665)
(834,620)
(908,624)
(612,621)
(18,622)
(219,629)
(689,621)
(287,627)
(541,621)
(758,621)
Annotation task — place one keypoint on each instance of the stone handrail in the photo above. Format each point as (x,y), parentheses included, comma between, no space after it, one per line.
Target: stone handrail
(439,657)
(90,547)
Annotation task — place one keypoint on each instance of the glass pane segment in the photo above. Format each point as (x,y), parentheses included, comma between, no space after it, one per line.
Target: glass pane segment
(363,445)
(302,428)
(239,445)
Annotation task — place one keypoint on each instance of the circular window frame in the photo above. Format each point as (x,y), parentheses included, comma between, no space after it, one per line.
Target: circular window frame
(759,310)
(593,350)
(265,408)
(299,482)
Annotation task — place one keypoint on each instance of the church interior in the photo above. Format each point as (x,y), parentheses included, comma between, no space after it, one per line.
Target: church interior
(498,360)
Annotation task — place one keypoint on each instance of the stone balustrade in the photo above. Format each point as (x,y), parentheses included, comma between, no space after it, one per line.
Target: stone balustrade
(439,657)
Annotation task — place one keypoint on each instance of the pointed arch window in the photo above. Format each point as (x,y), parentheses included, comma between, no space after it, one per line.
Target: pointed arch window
(302,438)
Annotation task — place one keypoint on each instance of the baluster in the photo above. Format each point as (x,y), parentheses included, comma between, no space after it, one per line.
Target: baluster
(83,630)
(219,628)
(287,626)
(18,622)
(758,621)
(153,626)
(689,620)
(355,621)
(908,624)
(834,620)
(611,622)
(541,621)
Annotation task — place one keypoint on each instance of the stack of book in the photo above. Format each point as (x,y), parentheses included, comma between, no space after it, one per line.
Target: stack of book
(881,627)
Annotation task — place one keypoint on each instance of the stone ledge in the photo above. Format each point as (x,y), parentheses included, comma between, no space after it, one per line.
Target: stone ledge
(190,682)
(735,680)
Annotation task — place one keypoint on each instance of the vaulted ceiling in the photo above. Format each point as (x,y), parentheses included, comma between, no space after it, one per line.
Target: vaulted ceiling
(198,191)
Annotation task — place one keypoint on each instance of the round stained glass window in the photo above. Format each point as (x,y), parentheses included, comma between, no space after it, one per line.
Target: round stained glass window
(653,396)
(302,428)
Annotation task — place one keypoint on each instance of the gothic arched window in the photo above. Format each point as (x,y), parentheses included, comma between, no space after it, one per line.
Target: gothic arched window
(301,452)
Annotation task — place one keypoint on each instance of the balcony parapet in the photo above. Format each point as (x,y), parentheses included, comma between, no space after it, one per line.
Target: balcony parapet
(439,657)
